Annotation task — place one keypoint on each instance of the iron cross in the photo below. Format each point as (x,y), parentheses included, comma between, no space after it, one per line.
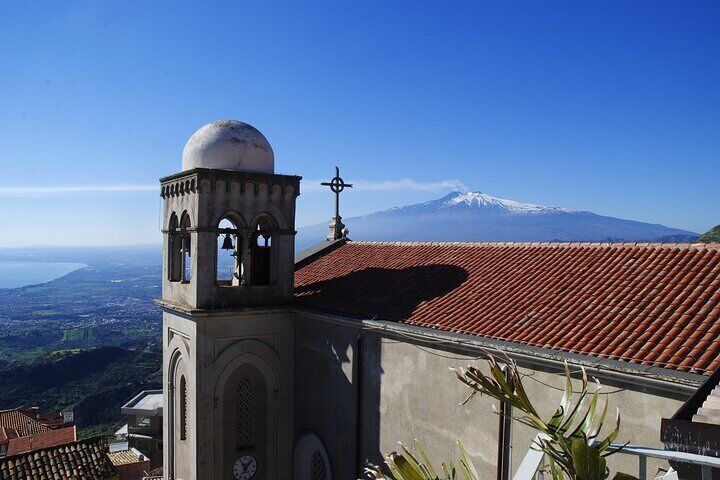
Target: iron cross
(337,185)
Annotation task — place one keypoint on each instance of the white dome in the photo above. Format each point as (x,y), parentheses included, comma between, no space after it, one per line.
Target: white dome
(229,145)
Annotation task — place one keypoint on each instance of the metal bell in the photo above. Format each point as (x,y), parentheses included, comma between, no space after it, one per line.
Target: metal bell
(227,243)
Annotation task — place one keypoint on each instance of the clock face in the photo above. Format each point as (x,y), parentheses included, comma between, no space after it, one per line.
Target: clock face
(245,467)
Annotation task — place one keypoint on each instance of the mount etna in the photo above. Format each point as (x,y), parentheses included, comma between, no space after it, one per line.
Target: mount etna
(476,216)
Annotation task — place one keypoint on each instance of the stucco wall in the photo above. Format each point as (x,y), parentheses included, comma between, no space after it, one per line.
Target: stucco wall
(409,392)
(325,393)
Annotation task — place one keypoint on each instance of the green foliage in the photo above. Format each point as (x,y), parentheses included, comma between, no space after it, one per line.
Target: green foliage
(78,336)
(407,467)
(570,439)
(711,236)
(93,383)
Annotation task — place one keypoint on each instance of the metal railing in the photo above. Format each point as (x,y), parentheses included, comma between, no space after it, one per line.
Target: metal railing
(530,468)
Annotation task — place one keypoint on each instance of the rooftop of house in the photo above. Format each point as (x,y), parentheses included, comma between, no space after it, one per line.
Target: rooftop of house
(21,422)
(148,403)
(81,460)
(650,304)
(51,438)
(125,457)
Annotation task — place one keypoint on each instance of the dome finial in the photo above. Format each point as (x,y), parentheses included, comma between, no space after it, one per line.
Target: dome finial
(229,145)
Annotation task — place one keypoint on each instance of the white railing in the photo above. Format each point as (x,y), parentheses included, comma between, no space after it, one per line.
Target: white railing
(535,459)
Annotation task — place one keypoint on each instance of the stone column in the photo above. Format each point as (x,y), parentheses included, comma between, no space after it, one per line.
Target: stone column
(336,228)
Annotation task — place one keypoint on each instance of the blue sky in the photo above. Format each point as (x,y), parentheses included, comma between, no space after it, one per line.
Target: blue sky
(607,106)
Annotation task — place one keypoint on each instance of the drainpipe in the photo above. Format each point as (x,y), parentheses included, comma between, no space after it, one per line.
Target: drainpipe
(504,424)
(358,404)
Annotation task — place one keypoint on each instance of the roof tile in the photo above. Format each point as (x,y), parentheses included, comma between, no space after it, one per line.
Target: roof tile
(655,304)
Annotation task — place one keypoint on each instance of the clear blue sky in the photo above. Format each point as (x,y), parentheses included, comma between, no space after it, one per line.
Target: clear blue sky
(612,107)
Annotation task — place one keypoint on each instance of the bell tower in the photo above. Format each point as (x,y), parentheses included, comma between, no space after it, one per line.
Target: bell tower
(229,231)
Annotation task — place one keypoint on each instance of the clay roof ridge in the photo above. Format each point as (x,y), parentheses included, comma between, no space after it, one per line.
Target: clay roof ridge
(678,245)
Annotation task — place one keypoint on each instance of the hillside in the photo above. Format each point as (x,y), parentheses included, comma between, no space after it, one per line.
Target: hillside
(476,216)
(92,383)
(712,235)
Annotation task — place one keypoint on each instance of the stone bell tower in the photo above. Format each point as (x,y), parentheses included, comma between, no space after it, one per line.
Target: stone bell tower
(229,226)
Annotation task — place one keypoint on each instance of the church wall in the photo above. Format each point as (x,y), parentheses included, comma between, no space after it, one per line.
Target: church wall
(640,414)
(407,391)
(419,398)
(325,393)
(179,358)
(261,341)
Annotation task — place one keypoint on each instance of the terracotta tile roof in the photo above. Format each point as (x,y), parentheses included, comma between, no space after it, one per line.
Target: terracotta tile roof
(41,440)
(123,457)
(653,304)
(20,421)
(7,434)
(82,460)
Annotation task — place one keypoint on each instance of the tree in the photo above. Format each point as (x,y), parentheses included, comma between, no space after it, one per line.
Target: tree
(712,235)
(569,440)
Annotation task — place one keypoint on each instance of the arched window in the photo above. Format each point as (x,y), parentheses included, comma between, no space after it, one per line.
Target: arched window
(311,459)
(183,408)
(228,264)
(185,247)
(244,414)
(173,250)
(261,252)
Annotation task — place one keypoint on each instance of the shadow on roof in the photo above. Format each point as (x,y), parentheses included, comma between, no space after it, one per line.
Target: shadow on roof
(383,293)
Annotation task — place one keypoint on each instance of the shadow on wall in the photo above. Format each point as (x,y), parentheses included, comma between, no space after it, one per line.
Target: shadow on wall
(383,293)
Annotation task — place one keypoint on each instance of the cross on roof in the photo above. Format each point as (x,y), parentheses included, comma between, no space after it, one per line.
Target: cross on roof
(336,185)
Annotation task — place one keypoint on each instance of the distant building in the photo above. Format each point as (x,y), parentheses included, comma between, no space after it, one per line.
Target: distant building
(130,464)
(145,422)
(307,367)
(85,459)
(23,430)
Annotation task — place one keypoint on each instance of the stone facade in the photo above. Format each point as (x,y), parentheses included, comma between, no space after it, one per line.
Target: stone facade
(228,346)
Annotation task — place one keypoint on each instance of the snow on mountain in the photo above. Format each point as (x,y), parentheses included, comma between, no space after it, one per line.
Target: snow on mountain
(476,216)
(483,200)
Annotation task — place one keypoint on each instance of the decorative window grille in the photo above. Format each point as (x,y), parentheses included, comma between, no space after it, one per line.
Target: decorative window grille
(244,414)
(183,408)
(318,467)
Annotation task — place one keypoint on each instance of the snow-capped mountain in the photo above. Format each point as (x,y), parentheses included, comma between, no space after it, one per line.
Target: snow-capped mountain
(479,200)
(476,216)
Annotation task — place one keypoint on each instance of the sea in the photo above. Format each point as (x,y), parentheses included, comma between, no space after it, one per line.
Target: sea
(15,274)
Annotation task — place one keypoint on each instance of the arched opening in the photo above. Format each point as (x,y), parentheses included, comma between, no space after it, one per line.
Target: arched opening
(311,459)
(228,264)
(186,269)
(261,251)
(179,411)
(173,248)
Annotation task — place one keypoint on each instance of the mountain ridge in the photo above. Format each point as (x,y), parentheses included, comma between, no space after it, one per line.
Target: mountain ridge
(477,216)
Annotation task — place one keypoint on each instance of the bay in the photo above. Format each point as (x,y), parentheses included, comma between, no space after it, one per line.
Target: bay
(15,274)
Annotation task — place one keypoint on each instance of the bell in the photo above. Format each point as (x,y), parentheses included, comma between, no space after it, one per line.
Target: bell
(227,243)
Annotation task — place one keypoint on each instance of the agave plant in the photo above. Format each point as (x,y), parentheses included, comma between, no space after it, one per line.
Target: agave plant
(406,466)
(570,438)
